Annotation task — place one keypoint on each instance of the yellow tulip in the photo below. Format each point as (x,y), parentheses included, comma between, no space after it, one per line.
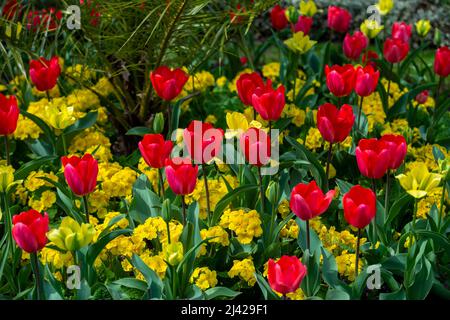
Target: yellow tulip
(237,124)
(72,236)
(173,253)
(385,6)
(418,182)
(300,43)
(308,8)
(371,28)
(6,177)
(59,115)
(423,27)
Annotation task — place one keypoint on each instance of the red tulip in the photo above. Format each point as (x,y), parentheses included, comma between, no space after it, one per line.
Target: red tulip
(243,60)
(181,175)
(246,85)
(354,45)
(43,19)
(269,102)
(340,79)
(9,114)
(285,275)
(255,144)
(442,62)
(203,141)
(303,24)
(81,173)
(95,15)
(10,9)
(44,73)
(308,200)
(335,125)
(338,19)
(397,147)
(155,150)
(373,157)
(402,31)
(395,50)
(369,59)
(29,230)
(278,17)
(168,83)
(366,81)
(422,97)
(360,206)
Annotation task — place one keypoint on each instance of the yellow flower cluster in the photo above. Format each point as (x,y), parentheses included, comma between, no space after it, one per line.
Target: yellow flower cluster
(56,258)
(79,72)
(204,278)
(156,263)
(283,208)
(218,235)
(433,197)
(45,202)
(244,269)
(271,70)
(401,126)
(151,173)
(246,224)
(117,181)
(290,230)
(34,182)
(335,241)
(425,154)
(298,115)
(91,140)
(200,81)
(346,265)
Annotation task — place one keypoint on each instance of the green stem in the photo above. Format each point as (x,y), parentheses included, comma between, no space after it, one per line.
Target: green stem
(357,254)
(37,275)
(86,208)
(308,239)
(386,194)
(183,204)
(359,112)
(208,204)
(48,96)
(413,226)
(161,184)
(8,159)
(261,190)
(327,171)
(63,138)
(389,82)
(8,224)
(169,116)
(441,209)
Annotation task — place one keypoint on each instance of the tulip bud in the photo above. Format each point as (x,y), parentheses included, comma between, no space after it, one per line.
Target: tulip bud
(158,123)
(173,253)
(72,236)
(423,27)
(6,177)
(165,212)
(292,14)
(444,168)
(273,192)
(437,39)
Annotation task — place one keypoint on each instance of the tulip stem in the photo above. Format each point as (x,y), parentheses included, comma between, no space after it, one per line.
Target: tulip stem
(375,232)
(357,253)
(161,183)
(308,239)
(48,96)
(37,275)
(208,205)
(8,223)
(330,153)
(389,82)
(386,194)
(8,159)
(359,112)
(261,189)
(64,143)
(86,208)
(441,209)
(183,204)
(169,117)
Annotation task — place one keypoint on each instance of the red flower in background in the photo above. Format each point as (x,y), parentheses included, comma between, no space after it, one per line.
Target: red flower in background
(168,83)
(95,14)
(334,124)
(44,19)
(255,144)
(366,80)
(9,115)
(422,97)
(246,85)
(10,9)
(338,19)
(29,230)
(181,175)
(340,79)
(303,24)
(402,31)
(395,50)
(203,141)
(44,73)
(80,173)
(442,62)
(360,206)
(269,102)
(308,201)
(354,44)
(278,17)
(396,144)
(155,150)
(369,59)
(373,157)
(285,275)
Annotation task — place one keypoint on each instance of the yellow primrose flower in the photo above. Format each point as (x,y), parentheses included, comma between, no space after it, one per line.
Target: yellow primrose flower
(238,124)
(173,253)
(308,8)
(371,28)
(385,6)
(204,278)
(71,236)
(6,177)
(419,181)
(300,43)
(423,27)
